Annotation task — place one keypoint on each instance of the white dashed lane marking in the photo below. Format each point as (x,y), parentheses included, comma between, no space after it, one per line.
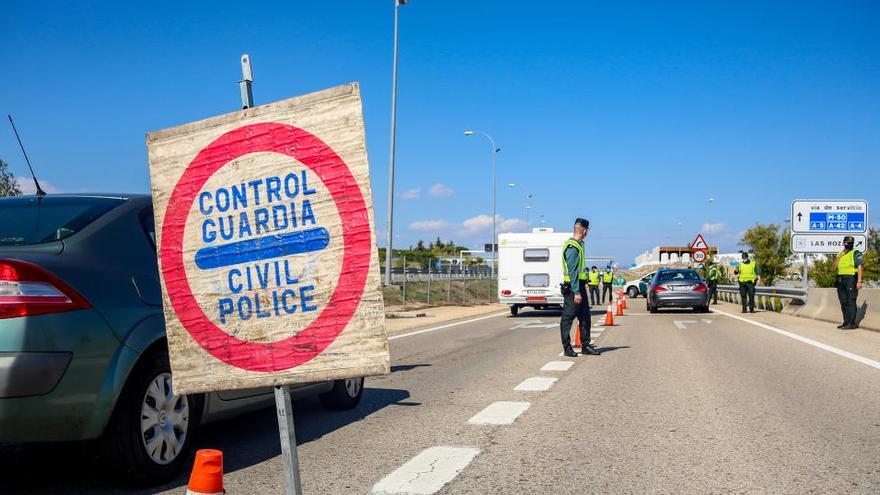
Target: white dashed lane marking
(441,327)
(427,472)
(500,413)
(558,366)
(536,384)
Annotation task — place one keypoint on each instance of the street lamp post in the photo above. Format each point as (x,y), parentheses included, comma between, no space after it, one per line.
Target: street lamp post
(528,205)
(495,151)
(390,226)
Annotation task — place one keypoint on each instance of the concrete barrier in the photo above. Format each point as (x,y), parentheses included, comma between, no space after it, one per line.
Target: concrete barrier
(822,304)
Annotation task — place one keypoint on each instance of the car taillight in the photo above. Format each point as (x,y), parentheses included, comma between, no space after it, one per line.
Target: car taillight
(506,292)
(660,288)
(28,290)
(701,288)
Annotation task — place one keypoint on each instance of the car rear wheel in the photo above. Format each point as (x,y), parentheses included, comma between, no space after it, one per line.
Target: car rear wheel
(514,309)
(651,309)
(346,394)
(632,292)
(150,435)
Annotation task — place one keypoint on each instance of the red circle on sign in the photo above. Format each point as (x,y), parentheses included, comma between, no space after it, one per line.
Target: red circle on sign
(333,172)
(699,256)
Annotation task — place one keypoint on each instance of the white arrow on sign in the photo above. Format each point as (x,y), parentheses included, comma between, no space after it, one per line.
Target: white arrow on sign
(534,324)
(681,324)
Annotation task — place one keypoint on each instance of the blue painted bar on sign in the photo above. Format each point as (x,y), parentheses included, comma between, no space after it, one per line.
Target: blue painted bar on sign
(839,222)
(263,248)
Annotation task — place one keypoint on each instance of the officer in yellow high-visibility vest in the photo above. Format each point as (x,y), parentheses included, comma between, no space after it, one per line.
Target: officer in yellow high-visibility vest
(749,275)
(594,286)
(607,281)
(574,292)
(850,269)
(712,278)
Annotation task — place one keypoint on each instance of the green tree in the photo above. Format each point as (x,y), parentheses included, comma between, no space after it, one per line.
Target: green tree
(871,258)
(822,272)
(770,248)
(8,185)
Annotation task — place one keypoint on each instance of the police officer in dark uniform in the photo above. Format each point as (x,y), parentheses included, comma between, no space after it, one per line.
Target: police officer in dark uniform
(749,274)
(608,285)
(574,291)
(850,270)
(712,278)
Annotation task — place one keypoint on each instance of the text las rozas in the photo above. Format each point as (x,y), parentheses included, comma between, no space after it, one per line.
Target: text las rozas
(236,214)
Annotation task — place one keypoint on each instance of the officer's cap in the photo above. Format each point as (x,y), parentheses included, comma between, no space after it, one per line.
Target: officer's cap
(849,238)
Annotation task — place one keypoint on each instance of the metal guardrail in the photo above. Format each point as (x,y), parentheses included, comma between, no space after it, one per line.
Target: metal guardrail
(767,298)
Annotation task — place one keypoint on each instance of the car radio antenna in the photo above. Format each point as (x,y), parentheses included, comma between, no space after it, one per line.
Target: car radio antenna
(40,191)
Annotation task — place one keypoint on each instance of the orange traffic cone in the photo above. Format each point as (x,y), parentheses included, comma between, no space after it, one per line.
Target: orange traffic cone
(577,336)
(207,473)
(624,301)
(609,317)
(619,311)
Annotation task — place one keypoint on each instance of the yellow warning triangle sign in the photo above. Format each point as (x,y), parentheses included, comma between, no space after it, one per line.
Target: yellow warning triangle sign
(699,243)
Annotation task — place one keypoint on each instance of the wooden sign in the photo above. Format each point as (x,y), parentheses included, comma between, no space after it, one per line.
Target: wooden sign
(267,250)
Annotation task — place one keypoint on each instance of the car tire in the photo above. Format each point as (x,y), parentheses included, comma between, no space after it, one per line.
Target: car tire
(345,395)
(632,292)
(126,439)
(514,310)
(652,309)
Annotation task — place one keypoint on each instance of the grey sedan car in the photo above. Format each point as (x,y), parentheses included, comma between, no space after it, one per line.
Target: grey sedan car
(678,288)
(83,353)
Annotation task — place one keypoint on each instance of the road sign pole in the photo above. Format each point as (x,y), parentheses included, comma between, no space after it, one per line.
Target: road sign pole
(806,275)
(289,458)
(283,404)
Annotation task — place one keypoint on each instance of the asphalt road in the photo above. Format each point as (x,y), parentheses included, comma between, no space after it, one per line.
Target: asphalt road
(678,403)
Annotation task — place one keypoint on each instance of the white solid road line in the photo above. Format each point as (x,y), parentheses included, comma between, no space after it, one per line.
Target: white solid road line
(427,472)
(558,366)
(500,413)
(820,345)
(441,327)
(536,384)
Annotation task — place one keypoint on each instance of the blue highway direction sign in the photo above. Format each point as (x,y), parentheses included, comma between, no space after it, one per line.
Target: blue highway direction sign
(829,216)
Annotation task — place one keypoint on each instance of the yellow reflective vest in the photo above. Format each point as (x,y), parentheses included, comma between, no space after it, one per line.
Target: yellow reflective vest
(747,272)
(582,260)
(607,277)
(846,265)
(594,278)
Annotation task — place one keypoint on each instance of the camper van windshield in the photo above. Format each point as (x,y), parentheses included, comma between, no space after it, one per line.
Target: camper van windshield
(536,254)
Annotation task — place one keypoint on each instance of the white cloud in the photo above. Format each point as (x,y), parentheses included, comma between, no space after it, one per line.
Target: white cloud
(512,225)
(26,184)
(439,190)
(478,223)
(714,228)
(483,223)
(410,194)
(428,225)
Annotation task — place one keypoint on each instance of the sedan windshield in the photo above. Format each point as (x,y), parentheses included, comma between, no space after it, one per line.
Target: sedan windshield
(36,220)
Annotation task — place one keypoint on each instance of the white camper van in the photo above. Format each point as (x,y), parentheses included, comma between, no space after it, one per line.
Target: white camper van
(530,269)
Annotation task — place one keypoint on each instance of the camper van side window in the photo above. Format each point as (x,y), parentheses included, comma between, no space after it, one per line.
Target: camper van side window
(536,254)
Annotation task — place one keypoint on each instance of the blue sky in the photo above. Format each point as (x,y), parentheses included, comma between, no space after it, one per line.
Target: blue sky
(629,115)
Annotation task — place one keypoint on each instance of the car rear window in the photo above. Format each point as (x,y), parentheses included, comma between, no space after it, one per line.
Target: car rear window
(37,220)
(536,280)
(666,276)
(536,254)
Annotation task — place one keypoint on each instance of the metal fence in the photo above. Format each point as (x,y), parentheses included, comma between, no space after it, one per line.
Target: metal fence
(767,298)
(424,287)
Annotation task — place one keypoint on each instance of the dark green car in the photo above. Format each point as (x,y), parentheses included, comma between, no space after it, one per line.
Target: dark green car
(82,337)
